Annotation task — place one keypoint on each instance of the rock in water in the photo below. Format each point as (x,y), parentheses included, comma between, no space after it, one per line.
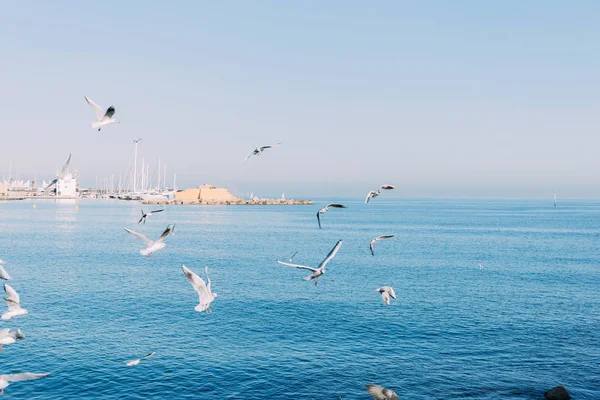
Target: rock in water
(557,393)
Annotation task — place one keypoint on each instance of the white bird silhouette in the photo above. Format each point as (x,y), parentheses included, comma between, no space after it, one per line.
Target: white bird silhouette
(147,214)
(259,150)
(381,393)
(8,337)
(386,293)
(372,194)
(25,376)
(13,302)
(316,272)
(153,246)
(104,118)
(326,208)
(377,239)
(204,291)
(131,363)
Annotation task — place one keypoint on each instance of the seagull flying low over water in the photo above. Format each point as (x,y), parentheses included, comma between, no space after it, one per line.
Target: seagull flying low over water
(3,274)
(8,337)
(146,215)
(316,272)
(153,245)
(104,118)
(372,194)
(326,208)
(377,239)
(25,376)
(258,151)
(205,293)
(137,361)
(381,393)
(386,293)
(13,302)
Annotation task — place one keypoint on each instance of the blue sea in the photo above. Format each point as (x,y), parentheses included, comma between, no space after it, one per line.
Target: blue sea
(528,321)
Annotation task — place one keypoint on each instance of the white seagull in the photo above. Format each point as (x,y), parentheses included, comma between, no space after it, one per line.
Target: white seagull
(326,208)
(316,272)
(104,118)
(8,337)
(153,245)
(25,376)
(372,194)
(147,214)
(381,393)
(258,151)
(137,361)
(377,239)
(480,266)
(3,274)
(386,293)
(13,302)
(205,293)
(62,173)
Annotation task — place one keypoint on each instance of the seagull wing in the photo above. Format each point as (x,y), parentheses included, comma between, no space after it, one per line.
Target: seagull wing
(4,332)
(384,237)
(368,197)
(391,292)
(140,236)
(381,393)
(197,282)
(97,109)
(249,155)
(5,275)
(268,146)
(11,295)
(25,376)
(109,113)
(65,168)
(156,211)
(331,254)
(387,187)
(386,297)
(319,218)
(207,280)
(297,266)
(336,205)
(372,246)
(166,233)
(148,355)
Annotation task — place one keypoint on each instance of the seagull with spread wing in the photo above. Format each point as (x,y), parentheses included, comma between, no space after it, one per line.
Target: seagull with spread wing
(205,293)
(320,270)
(377,239)
(62,173)
(259,150)
(131,363)
(145,215)
(104,117)
(153,246)
(13,302)
(386,293)
(25,376)
(380,393)
(372,194)
(326,208)
(8,337)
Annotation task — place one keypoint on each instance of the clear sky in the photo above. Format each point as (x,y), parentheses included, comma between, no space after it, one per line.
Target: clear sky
(440,98)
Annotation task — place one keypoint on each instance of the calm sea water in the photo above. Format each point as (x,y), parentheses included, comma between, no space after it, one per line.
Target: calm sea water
(528,321)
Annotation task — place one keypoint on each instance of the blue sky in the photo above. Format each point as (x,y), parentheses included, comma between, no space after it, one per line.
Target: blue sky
(439,98)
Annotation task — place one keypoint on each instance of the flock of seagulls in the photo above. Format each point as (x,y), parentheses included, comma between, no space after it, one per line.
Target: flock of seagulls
(7,336)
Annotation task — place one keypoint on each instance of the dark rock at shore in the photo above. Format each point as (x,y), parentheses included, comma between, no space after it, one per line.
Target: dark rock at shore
(557,393)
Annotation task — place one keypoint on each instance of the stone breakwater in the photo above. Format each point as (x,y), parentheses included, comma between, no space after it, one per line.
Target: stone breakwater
(262,202)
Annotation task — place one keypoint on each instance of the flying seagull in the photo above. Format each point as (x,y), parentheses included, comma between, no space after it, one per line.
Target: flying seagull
(153,246)
(136,362)
(372,194)
(386,293)
(204,291)
(377,239)
(381,393)
(3,274)
(25,376)
(258,151)
(104,118)
(62,173)
(292,257)
(326,208)
(146,215)
(316,272)
(8,337)
(480,266)
(13,302)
